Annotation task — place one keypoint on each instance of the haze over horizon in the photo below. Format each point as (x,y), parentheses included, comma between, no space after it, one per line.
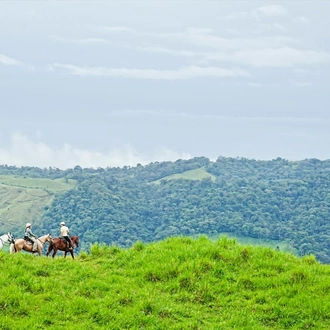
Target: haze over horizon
(103,84)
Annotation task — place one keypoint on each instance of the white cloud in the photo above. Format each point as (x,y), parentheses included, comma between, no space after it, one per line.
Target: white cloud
(23,151)
(183,73)
(115,29)
(280,57)
(220,118)
(260,54)
(90,41)
(174,52)
(81,41)
(227,44)
(273,10)
(239,15)
(194,30)
(5,60)
(260,13)
(301,19)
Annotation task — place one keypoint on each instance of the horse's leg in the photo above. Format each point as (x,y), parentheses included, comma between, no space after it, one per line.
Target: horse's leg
(50,248)
(55,250)
(12,248)
(71,251)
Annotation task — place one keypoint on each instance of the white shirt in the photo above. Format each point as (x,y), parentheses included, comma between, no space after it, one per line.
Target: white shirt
(65,231)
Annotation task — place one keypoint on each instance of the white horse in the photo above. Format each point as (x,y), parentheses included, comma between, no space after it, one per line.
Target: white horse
(5,239)
(22,244)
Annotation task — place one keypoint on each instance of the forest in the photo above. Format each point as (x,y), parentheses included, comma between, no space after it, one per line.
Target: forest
(278,199)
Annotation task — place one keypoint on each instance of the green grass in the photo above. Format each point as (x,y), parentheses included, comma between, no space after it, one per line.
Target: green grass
(197,174)
(179,283)
(275,244)
(53,186)
(24,199)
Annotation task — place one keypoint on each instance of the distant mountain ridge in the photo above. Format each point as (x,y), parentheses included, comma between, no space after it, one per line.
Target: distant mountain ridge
(282,200)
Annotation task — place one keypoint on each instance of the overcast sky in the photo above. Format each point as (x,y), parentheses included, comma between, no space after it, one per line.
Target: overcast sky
(114,83)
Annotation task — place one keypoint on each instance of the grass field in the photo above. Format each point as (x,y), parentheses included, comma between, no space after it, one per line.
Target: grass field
(197,174)
(24,199)
(179,283)
(52,186)
(275,244)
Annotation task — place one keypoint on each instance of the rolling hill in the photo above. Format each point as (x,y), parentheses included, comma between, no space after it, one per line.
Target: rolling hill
(178,283)
(24,199)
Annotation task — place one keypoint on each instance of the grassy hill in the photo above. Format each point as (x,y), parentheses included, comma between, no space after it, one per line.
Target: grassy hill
(178,283)
(196,174)
(274,244)
(23,199)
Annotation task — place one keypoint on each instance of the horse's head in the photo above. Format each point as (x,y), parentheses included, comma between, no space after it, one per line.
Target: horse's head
(49,238)
(75,240)
(11,238)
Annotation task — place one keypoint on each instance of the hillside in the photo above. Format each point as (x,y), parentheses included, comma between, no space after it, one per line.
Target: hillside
(178,283)
(24,199)
(278,200)
(197,174)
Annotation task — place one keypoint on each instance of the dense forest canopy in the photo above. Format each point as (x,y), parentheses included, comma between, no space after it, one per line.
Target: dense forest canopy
(278,199)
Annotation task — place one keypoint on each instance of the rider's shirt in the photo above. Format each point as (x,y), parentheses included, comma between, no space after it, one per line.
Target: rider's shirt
(28,233)
(65,231)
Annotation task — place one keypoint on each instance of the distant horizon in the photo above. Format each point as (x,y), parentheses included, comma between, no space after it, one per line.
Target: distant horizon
(135,82)
(172,161)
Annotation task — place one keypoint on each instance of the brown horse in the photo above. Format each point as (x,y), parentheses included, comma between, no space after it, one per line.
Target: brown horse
(61,244)
(22,244)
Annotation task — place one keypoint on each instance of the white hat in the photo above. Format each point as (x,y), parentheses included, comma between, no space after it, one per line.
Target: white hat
(28,225)
(62,223)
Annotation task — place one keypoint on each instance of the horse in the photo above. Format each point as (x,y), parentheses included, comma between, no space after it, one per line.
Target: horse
(6,238)
(22,244)
(61,244)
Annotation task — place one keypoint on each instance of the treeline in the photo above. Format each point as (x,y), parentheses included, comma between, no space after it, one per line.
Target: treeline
(278,199)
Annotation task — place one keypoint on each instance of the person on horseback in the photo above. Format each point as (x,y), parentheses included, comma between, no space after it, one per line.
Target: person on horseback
(65,232)
(29,236)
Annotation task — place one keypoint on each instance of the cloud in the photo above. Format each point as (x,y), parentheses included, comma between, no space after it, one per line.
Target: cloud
(239,15)
(5,60)
(115,29)
(194,30)
(190,72)
(80,41)
(260,13)
(23,151)
(273,10)
(214,42)
(280,57)
(301,19)
(260,54)
(220,118)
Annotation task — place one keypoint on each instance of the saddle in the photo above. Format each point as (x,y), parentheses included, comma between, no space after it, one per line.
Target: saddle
(27,240)
(65,241)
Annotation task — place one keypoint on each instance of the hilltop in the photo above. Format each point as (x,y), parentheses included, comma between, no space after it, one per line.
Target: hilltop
(178,283)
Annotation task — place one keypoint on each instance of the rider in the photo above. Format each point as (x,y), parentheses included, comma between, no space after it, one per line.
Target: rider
(30,236)
(65,232)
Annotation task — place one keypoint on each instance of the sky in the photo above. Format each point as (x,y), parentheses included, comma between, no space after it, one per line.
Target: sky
(121,83)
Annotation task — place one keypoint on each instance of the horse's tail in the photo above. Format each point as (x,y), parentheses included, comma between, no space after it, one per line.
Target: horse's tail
(12,248)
